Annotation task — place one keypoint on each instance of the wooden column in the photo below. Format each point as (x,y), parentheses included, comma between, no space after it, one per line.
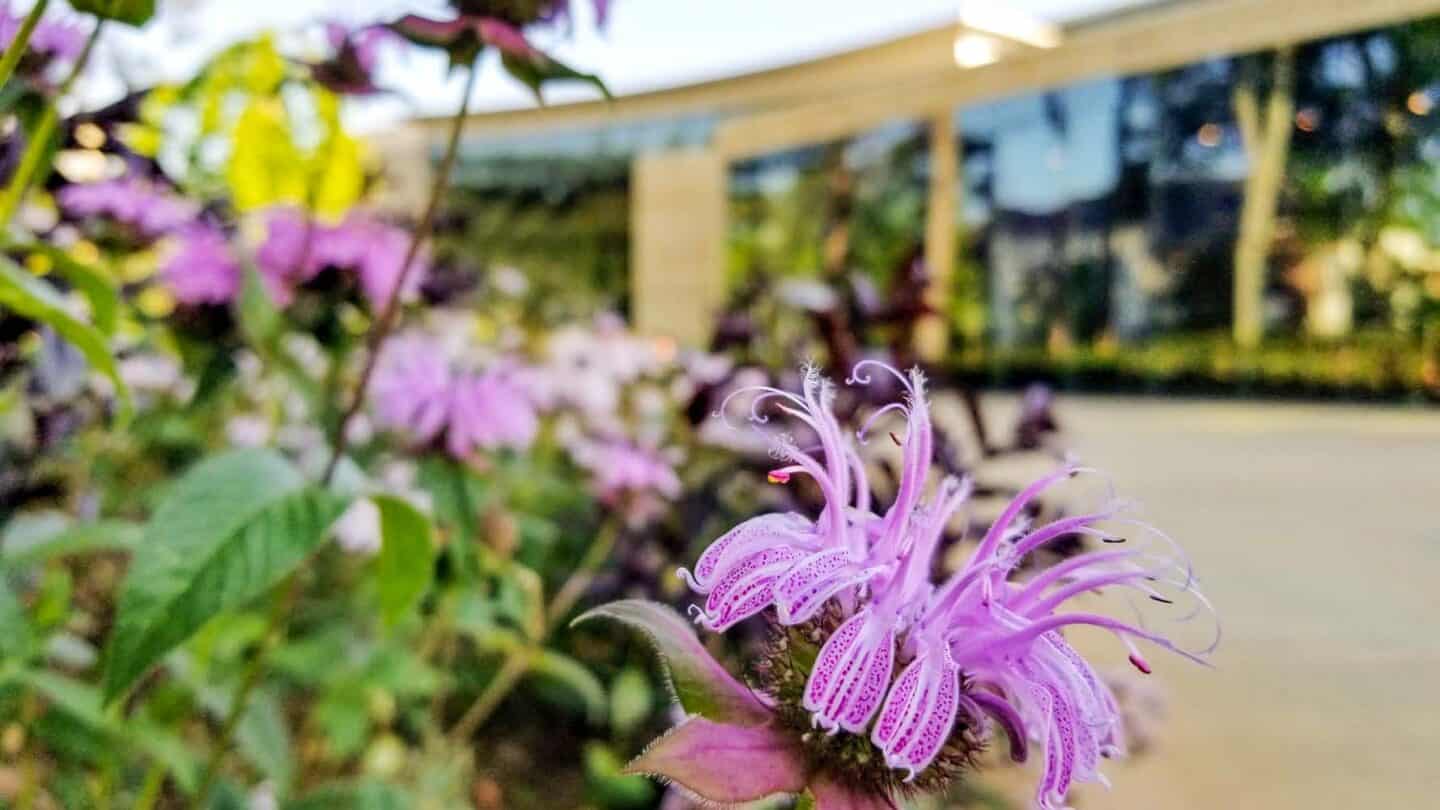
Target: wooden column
(677,243)
(933,332)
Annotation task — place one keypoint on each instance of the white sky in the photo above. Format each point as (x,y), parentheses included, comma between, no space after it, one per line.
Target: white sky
(647,44)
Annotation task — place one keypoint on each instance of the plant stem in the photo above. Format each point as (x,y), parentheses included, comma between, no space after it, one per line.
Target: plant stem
(249,681)
(39,142)
(584,574)
(16,51)
(516,664)
(517,661)
(386,322)
(151,787)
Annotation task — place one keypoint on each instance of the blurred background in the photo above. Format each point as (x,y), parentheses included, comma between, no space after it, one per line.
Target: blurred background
(1196,242)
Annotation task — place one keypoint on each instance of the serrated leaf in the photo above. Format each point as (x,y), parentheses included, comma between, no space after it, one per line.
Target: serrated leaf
(575,676)
(406,561)
(230,529)
(34,299)
(130,12)
(97,286)
(699,683)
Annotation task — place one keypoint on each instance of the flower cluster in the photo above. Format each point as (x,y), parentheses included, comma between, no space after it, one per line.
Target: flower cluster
(420,392)
(147,208)
(51,41)
(633,479)
(297,249)
(203,266)
(919,668)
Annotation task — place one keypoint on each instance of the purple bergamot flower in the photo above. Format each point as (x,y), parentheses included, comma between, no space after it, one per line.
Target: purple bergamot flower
(879,682)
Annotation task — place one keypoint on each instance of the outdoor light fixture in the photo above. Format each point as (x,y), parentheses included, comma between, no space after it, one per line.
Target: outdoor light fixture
(975,50)
(1011,24)
(987,33)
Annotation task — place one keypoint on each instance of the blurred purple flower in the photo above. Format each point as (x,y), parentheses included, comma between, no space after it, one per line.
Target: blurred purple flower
(297,248)
(418,392)
(622,470)
(376,250)
(350,69)
(148,208)
(489,411)
(202,269)
(412,387)
(52,39)
(287,256)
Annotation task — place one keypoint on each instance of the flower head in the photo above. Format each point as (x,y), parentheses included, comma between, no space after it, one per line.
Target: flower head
(51,41)
(147,208)
(298,248)
(355,55)
(912,673)
(202,270)
(419,391)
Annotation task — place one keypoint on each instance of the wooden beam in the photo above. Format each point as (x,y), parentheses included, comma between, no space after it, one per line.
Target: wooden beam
(932,333)
(1144,41)
(677,243)
(875,66)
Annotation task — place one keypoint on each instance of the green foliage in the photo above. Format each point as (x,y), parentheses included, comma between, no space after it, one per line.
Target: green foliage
(228,530)
(130,12)
(406,562)
(26,295)
(97,286)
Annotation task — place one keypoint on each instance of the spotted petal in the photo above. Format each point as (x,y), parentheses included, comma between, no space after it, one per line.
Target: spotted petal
(851,673)
(920,713)
(800,594)
(777,529)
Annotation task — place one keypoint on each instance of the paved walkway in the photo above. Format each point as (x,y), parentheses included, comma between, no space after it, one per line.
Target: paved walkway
(1317,532)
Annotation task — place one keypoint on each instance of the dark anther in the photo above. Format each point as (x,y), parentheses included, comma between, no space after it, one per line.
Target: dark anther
(1112,539)
(896,439)
(1162,600)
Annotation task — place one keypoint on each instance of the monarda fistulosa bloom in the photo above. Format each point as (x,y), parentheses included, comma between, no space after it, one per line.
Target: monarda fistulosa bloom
(876,681)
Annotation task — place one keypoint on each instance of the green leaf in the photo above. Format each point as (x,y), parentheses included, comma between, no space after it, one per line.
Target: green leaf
(577,677)
(97,286)
(16,635)
(34,299)
(130,12)
(406,561)
(609,786)
(263,738)
(364,795)
(105,535)
(229,530)
(699,683)
(540,70)
(630,700)
(259,317)
(81,702)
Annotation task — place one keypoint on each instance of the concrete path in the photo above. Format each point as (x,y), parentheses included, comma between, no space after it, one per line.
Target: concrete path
(1317,532)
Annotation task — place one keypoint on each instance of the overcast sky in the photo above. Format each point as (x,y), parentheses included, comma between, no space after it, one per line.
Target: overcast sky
(647,43)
